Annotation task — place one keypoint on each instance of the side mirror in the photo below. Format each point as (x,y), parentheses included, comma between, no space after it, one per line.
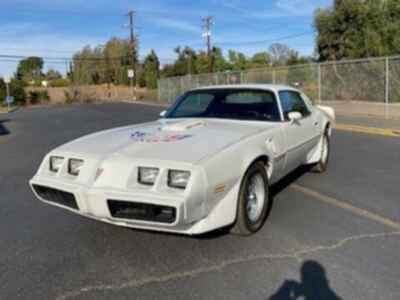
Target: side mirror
(163,113)
(294,116)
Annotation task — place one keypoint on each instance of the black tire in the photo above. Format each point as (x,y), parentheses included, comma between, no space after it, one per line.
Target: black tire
(244,226)
(322,165)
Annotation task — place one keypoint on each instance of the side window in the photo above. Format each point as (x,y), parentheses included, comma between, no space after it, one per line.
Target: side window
(194,104)
(292,102)
(308,101)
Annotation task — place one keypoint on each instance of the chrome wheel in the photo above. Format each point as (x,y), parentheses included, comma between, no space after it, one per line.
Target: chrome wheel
(253,200)
(255,197)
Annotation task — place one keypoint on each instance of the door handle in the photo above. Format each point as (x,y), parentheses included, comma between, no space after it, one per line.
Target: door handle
(316,123)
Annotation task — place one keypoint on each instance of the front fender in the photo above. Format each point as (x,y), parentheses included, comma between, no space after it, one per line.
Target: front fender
(328,111)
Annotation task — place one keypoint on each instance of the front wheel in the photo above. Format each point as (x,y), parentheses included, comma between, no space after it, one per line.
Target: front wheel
(253,201)
(322,165)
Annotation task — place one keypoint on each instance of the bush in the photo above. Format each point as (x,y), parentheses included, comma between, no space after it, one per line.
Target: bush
(78,95)
(38,97)
(59,82)
(71,96)
(16,90)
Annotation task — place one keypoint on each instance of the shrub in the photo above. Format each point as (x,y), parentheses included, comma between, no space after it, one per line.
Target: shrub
(16,90)
(38,96)
(74,95)
(61,82)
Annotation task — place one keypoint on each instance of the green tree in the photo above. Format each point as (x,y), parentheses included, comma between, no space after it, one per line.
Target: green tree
(185,62)
(238,61)
(17,90)
(52,74)
(280,54)
(104,64)
(219,62)
(357,29)
(202,62)
(152,67)
(30,69)
(118,59)
(260,60)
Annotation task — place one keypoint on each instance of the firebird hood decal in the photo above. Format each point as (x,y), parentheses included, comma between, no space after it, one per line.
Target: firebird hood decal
(186,140)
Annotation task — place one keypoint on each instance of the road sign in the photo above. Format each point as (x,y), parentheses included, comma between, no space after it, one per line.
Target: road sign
(7,79)
(131,73)
(10,99)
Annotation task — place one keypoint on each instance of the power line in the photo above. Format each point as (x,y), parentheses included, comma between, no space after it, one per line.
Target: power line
(37,49)
(257,42)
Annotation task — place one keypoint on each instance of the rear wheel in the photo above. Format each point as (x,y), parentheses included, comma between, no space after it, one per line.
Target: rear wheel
(322,165)
(253,201)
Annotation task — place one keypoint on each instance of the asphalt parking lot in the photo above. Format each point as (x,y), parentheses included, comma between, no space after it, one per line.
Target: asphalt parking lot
(330,236)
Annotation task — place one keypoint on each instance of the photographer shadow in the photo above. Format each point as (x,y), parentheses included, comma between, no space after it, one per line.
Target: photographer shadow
(314,285)
(3,129)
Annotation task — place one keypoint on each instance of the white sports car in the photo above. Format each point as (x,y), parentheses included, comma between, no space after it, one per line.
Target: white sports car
(207,163)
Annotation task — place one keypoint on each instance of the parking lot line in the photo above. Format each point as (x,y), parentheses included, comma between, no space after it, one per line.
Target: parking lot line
(348,207)
(368,130)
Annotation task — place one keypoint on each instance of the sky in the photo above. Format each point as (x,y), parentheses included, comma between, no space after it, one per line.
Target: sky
(56,28)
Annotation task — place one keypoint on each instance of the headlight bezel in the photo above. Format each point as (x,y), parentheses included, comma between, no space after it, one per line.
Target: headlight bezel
(75,170)
(171,181)
(140,175)
(52,164)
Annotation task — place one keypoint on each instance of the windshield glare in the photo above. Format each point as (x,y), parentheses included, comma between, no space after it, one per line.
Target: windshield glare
(240,104)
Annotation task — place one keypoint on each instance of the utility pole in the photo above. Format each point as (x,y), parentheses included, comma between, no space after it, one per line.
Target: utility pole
(132,46)
(207,24)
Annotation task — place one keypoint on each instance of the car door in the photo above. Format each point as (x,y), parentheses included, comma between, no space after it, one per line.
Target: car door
(300,135)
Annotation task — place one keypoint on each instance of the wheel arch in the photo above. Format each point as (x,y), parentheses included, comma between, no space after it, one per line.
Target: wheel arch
(328,128)
(264,158)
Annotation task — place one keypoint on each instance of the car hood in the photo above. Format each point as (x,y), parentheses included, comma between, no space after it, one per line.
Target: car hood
(183,140)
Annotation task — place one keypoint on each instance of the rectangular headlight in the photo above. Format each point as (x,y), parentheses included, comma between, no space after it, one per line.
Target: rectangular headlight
(178,179)
(74,166)
(56,163)
(147,176)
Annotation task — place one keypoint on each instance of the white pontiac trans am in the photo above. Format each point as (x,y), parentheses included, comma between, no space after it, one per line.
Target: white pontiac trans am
(207,163)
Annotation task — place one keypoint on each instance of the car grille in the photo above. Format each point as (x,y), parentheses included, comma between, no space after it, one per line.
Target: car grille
(141,211)
(56,196)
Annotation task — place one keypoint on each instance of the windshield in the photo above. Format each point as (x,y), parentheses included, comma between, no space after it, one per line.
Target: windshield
(240,104)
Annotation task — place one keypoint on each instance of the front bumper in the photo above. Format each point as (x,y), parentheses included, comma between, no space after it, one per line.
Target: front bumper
(96,203)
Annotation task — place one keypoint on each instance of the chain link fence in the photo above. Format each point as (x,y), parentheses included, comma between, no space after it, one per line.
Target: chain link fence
(353,87)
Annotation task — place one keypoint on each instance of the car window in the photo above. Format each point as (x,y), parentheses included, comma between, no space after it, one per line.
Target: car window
(308,101)
(292,102)
(249,98)
(239,104)
(194,104)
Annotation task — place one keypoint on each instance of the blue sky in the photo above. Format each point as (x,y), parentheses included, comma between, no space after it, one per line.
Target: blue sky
(58,28)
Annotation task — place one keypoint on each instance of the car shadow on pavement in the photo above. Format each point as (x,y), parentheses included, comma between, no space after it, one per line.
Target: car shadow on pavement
(314,285)
(288,180)
(3,129)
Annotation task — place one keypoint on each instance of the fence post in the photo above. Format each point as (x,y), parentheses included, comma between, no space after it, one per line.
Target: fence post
(159,89)
(169,91)
(387,87)
(319,84)
(182,86)
(273,76)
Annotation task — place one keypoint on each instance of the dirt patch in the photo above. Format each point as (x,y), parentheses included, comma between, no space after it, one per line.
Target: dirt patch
(360,108)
